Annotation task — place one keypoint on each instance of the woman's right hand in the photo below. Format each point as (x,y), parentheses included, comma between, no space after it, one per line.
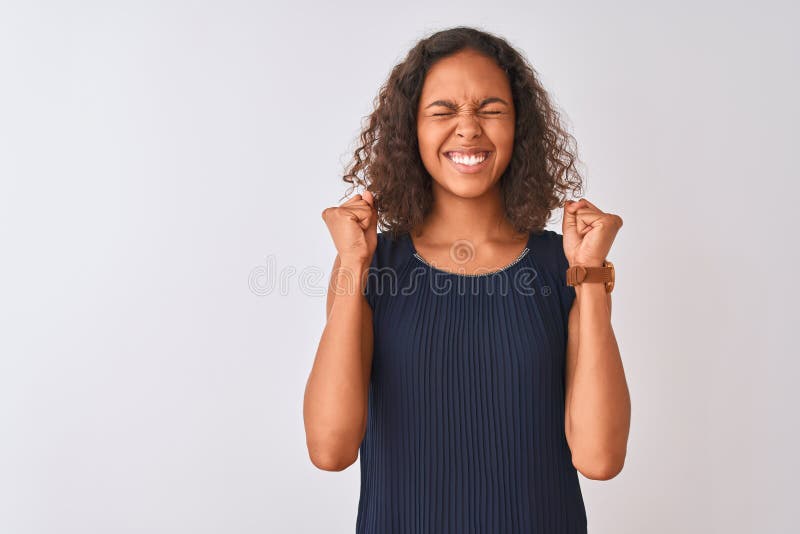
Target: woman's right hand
(354,228)
(336,401)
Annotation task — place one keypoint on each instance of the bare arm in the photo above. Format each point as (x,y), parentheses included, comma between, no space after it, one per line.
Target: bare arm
(335,401)
(597,413)
(335,405)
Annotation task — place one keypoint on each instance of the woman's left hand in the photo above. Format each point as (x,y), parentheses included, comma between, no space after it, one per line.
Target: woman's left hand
(588,233)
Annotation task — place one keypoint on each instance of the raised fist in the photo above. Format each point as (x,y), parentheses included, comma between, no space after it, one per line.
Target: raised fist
(354,228)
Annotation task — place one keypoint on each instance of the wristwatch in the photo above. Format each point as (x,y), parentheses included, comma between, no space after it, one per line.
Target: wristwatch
(578,274)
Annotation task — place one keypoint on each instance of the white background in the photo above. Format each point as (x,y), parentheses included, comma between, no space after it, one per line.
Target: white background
(156,158)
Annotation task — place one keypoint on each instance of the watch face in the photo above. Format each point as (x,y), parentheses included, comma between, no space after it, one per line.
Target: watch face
(609,285)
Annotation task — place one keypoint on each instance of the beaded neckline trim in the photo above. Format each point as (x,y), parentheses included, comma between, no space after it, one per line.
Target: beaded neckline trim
(521,255)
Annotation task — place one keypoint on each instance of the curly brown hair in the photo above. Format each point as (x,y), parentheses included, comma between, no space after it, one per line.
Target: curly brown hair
(388,163)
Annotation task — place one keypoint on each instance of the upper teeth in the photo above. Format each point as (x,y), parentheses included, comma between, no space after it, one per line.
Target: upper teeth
(468,160)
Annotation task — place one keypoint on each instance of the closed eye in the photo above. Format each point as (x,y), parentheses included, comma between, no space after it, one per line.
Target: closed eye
(484,112)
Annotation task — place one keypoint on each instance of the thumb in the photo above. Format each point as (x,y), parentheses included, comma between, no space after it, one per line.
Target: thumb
(569,224)
(373,221)
(369,197)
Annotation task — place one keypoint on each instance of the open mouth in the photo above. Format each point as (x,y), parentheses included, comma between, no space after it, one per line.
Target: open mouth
(469,164)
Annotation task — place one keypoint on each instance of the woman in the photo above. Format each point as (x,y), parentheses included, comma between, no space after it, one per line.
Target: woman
(472,379)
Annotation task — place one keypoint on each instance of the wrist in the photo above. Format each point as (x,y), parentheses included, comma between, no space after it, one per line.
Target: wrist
(353,272)
(588,262)
(590,290)
(591,272)
(354,262)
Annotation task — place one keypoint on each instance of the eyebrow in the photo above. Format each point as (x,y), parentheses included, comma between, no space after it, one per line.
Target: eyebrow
(452,105)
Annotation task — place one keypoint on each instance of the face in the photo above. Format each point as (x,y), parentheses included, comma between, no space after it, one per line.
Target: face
(465,123)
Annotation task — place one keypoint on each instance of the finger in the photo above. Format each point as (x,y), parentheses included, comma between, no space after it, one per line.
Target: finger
(589,211)
(352,203)
(583,205)
(373,221)
(584,218)
(358,199)
(361,214)
(363,223)
(355,199)
(589,204)
(570,220)
(369,197)
(587,216)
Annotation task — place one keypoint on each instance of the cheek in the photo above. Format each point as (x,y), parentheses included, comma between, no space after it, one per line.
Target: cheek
(502,133)
(429,144)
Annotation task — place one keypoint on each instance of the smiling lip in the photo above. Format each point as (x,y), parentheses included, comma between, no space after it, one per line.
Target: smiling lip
(471,169)
(470,151)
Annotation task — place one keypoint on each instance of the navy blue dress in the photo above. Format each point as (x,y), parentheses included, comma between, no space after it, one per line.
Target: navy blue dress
(465,425)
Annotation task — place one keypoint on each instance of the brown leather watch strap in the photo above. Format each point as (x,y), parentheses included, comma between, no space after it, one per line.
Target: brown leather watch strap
(579,274)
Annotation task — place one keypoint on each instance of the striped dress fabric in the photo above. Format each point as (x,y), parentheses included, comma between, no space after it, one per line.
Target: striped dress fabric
(465,426)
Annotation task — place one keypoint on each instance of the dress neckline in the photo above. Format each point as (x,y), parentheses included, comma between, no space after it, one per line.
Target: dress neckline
(516,260)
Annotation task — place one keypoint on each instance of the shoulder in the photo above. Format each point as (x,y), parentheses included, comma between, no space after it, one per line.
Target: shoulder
(391,251)
(549,247)
(550,236)
(388,261)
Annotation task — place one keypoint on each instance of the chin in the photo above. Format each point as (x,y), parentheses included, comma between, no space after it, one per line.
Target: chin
(466,187)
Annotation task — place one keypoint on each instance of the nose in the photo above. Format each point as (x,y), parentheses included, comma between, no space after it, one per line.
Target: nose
(468,126)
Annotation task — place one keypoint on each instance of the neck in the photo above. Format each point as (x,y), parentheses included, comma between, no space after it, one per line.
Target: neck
(478,219)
